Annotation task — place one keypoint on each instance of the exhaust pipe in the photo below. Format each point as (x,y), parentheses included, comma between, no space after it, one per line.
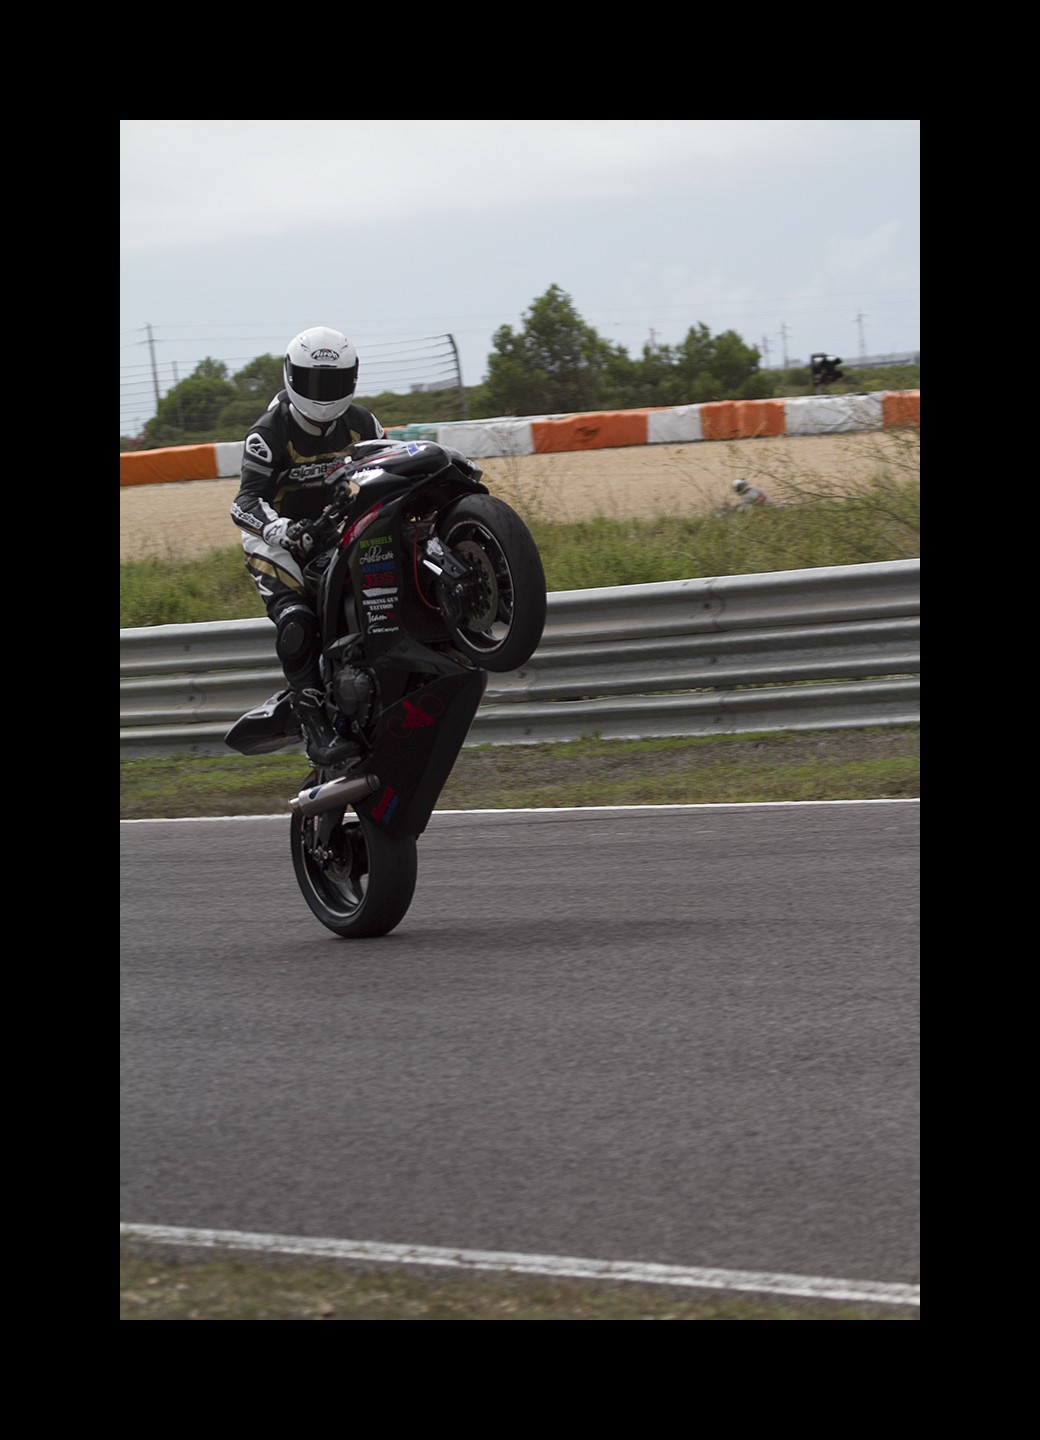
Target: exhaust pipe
(343,791)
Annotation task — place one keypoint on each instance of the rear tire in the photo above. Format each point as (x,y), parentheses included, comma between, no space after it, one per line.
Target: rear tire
(498,620)
(364,886)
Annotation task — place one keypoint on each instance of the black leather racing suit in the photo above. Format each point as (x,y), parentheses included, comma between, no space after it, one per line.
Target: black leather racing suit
(284,464)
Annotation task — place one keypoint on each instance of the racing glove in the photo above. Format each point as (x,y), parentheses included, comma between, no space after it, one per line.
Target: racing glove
(302,537)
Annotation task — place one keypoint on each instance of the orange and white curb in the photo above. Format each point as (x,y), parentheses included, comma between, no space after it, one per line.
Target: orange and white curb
(594,430)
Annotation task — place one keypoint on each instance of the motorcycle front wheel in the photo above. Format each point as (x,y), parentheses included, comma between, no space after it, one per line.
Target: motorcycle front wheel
(357,881)
(497,614)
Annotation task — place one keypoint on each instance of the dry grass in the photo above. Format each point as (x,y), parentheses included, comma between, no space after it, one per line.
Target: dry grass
(185,520)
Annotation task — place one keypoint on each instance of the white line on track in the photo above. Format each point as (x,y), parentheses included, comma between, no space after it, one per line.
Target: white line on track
(808,1286)
(561,809)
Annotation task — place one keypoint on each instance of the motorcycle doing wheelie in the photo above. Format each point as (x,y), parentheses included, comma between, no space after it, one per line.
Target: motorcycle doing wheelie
(428,583)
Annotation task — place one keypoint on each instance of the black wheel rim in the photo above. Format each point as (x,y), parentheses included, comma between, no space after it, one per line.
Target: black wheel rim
(339,880)
(483,614)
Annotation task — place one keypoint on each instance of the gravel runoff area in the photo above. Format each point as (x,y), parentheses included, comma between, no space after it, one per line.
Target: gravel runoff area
(183,520)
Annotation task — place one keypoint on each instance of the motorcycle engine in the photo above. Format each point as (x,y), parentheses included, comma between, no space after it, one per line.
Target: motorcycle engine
(352,691)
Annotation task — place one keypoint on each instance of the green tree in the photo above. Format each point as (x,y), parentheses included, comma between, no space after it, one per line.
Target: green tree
(653,379)
(418,407)
(191,410)
(556,364)
(707,368)
(256,385)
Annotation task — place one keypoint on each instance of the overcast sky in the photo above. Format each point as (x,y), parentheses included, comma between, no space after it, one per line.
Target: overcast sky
(800,235)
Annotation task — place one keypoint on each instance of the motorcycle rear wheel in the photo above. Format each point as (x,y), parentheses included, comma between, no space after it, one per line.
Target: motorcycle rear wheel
(364,886)
(498,620)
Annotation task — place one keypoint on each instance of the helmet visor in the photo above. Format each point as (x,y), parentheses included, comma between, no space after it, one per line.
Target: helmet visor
(322,385)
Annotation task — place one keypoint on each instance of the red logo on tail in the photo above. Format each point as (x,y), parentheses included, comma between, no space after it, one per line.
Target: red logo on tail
(414,718)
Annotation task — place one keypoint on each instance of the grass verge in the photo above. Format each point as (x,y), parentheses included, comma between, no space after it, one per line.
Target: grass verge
(163,1287)
(881,763)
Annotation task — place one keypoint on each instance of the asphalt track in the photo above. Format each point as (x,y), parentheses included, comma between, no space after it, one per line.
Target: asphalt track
(658,1042)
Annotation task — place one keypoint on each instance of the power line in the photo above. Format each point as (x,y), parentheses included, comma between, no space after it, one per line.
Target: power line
(429,362)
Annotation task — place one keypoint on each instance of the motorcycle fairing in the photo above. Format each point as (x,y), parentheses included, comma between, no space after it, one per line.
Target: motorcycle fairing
(417,741)
(377,565)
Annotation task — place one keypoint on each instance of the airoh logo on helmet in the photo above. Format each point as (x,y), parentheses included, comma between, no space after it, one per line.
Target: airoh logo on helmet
(325,355)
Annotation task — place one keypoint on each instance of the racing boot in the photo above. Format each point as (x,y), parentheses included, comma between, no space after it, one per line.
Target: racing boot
(325,748)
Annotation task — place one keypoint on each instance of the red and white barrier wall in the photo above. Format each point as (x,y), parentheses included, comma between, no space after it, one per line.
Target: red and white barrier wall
(596,430)
(181,462)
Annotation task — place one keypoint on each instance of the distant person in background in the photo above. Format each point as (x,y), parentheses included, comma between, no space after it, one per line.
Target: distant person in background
(750,494)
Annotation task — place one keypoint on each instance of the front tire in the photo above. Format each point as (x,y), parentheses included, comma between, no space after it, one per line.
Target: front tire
(498,619)
(361,883)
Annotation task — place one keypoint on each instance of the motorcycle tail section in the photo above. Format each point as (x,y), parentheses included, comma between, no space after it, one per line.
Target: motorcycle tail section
(416,744)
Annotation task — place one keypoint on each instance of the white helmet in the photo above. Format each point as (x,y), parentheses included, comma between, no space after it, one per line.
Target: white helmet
(740,486)
(321,370)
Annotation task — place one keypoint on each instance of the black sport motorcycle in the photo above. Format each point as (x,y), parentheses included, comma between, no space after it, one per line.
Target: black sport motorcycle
(428,582)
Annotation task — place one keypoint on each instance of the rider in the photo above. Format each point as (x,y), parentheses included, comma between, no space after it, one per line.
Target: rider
(750,494)
(306,431)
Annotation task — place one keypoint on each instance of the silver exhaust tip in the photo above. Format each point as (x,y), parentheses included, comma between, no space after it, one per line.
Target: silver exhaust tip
(343,791)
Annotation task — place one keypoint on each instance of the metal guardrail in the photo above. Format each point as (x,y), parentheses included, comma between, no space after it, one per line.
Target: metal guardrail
(828,648)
